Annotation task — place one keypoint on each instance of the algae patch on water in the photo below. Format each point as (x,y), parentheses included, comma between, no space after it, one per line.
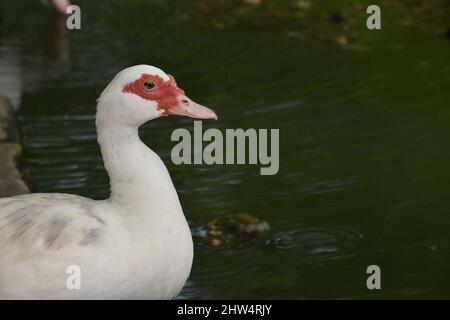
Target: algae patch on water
(237,229)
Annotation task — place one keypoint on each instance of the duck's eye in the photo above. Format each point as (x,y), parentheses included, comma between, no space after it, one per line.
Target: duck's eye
(149,85)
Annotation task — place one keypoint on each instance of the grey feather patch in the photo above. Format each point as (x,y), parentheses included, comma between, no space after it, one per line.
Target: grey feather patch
(90,236)
(90,214)
(19,222)
(54,229)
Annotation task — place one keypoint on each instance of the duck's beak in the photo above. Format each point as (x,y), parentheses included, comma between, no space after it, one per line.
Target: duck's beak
(187,107)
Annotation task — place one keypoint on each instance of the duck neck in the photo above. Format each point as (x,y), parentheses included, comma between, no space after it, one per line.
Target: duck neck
(138,178)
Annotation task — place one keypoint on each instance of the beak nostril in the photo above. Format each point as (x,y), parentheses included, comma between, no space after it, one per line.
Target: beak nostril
(185,101)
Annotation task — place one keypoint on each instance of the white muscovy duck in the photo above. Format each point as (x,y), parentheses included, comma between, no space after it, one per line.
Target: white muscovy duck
(134,245)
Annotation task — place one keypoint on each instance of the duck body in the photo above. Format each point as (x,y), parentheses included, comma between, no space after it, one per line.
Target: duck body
(134,245)
(122,250)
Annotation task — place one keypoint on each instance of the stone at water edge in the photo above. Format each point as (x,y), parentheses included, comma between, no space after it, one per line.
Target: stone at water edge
(11,182)
(8,130)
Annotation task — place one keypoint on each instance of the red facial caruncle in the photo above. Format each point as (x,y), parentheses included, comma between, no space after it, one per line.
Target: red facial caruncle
(169,98)
(153,87)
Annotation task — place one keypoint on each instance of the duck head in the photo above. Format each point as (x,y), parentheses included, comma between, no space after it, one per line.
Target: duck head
(141,93)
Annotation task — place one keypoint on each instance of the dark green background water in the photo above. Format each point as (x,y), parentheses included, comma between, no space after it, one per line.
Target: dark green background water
(364,141)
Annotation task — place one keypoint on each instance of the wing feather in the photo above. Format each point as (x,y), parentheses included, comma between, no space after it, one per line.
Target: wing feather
(34,223)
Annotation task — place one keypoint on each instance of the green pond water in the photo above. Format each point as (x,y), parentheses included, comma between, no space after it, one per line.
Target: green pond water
(364,141)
